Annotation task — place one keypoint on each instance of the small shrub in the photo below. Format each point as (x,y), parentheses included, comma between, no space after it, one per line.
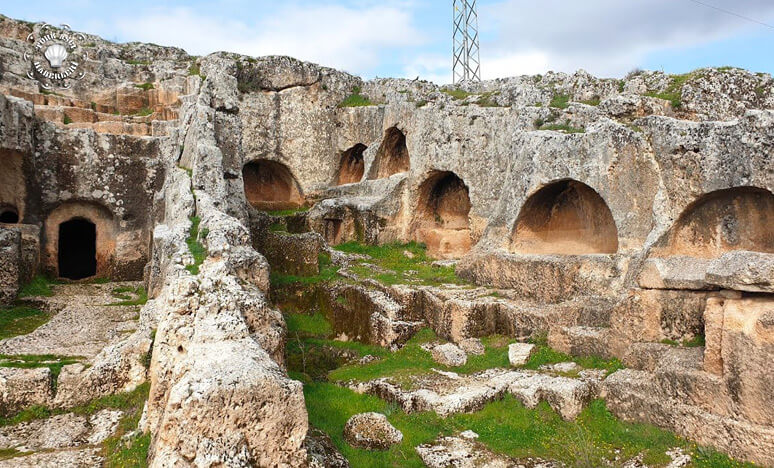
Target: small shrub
(195,247)
(421,103)
(144,112)
(67,120)
(93,106)
(248,77)
(145,86)
(194,70)
(458,94)
(560,101)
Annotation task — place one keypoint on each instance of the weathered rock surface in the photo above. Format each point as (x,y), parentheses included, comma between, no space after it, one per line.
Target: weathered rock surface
(519,353)
(371,431)
(743,271)
(59,432)
(449,354)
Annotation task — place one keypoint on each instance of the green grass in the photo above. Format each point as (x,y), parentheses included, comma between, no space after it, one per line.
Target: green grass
(195,247)
(278,227)
(129,296)
(20,320)
(39,286)
(356,99)
(144,112)
(458,94)
(591,102)
(194,69)
(674,91)
(562,128)
(288,212)
(119,449)
(421,103)
(314,325)
(137,62)
(560,101)
(396,267)
(145,86)
(505,426)
(7,453)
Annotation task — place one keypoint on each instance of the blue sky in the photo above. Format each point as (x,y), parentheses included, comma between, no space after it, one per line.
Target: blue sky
(408,38)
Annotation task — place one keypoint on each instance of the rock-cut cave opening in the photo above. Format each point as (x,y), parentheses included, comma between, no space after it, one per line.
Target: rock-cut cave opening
(77,249)
(392,156)
(9,216)
(270,185)
(566,218)
(351,166)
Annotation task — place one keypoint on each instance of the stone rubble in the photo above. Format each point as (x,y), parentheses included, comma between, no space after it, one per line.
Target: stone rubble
(519,353)
(371,431)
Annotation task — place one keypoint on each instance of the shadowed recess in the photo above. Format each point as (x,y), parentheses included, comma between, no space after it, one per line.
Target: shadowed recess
(351,165)
(565,217)
(740,218)
(269,185)
(392,156)
(442,215)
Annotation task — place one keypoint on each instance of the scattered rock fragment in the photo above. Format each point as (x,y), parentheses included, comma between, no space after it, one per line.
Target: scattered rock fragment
(371,431)
(519,353)
(449,354)
(367,359)
(472,346)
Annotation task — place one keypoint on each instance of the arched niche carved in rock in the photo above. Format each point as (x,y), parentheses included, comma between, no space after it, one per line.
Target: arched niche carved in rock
(269,185)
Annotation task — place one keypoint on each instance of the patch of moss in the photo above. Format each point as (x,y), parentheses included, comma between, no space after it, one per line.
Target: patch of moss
(399,264)
(38,286)
(356,99)
(20,320)
(560,101)
(457,94)
(195,247)
(562,128)
(129,296)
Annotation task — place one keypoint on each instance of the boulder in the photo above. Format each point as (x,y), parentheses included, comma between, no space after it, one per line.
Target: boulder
(449,354)
(519,353)
(20,388)
(371,431)
(472,346)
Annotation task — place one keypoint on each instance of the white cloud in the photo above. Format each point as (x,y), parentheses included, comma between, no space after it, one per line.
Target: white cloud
(608,37)
(349,38)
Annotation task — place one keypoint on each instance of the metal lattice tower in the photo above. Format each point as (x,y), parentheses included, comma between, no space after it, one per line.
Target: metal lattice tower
(467,63)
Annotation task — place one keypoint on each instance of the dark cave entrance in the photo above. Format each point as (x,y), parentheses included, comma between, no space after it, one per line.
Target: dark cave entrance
(77,249)
(9,216)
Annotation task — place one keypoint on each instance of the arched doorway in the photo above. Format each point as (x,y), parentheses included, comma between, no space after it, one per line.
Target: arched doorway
(351,165)
(565,217)
(392,156)
(740,218)
(77,249)
(441,218)
(9,215)
(270,185)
